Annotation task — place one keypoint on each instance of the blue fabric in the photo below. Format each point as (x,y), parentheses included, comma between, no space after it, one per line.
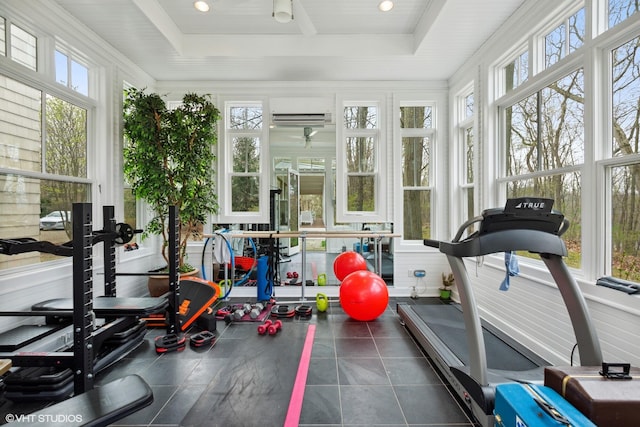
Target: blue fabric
(511,264)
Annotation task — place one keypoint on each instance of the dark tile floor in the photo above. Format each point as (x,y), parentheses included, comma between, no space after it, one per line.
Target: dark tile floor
(361,374)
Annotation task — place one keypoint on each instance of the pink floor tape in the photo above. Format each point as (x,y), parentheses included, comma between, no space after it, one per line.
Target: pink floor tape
(297,395)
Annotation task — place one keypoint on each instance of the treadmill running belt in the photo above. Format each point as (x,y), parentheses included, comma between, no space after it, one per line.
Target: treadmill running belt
(447,322)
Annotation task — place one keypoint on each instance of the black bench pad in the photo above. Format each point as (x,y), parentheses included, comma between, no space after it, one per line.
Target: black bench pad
(110,306)
(98,407)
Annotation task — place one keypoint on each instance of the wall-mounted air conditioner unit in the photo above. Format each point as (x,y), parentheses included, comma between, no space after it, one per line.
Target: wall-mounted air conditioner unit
(300,120)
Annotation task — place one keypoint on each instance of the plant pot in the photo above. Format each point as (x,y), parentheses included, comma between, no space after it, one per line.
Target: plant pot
(445,294)
(159,285)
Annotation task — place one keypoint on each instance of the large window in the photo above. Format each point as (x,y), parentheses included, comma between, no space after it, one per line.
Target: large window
(361,148)
(624,175)
(244,133)
(416,129)
(43,166)
(545,150)
(43,150)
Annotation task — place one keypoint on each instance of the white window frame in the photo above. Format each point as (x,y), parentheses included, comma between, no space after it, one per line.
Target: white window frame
(382,185)
(225,163)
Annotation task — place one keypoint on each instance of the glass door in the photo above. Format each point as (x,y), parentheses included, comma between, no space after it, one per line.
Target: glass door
(294,210)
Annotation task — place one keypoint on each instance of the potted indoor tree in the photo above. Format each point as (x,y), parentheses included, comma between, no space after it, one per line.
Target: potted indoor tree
(169,161)
(445,290)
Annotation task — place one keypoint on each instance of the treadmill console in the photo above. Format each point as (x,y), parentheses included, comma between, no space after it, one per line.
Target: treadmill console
(525,213)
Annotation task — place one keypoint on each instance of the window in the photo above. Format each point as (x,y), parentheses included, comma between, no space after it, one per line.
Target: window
(71,73)
(244,133)
(624,175)
(416,124)
(43,165)
(516,72)
(545,149)
(565,38)
(3,42)
(23,47)
(467,152)
(360,155)
(619,10)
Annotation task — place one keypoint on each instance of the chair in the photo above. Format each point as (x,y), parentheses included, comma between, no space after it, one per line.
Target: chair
(306,217)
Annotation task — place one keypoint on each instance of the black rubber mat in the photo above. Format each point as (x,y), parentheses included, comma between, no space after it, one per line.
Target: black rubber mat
(447,322)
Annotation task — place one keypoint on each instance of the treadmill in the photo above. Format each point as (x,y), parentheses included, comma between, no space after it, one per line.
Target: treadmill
(524,224)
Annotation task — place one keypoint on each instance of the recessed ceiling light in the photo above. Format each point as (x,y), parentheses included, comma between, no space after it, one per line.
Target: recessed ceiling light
(201,5)
(385,5)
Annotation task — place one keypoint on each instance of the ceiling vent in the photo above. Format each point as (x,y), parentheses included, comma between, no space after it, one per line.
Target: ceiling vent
(301,120)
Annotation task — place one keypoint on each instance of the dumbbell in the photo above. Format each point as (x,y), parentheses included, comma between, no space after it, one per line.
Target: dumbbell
(275,327)
(262,329)
(256,310)
(246,308)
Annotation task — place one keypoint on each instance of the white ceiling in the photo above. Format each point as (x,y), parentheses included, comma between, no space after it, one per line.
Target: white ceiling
(327,39)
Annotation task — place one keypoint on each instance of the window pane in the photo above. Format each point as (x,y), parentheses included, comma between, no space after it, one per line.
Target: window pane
(23,47)
(20,127)
(415,161)
(625,93)
(625,222)
(361,117)
(281,163)
(245,117)
(310,164)
(554,48)
(576,30)
(79,78)
(562,123)
(517,72)
(417,214)
(566,191)
(360,154)
(522,135)
(468,200)
(619,10)
(3,42)
(361,191)
(62,68)
(38,209)
(551,136)
(246,154)
(245,193)
(468,136)
(468,106)
(66,145)
(416,117)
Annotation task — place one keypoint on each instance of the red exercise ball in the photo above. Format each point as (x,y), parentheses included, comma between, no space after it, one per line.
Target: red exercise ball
(348,262)
(364,295)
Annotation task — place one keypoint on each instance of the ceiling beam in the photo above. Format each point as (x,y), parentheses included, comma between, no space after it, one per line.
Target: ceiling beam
(163,22)
(357,45)
(428,18)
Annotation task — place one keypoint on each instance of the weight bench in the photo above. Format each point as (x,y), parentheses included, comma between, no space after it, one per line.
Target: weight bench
(100,406)
(110,306)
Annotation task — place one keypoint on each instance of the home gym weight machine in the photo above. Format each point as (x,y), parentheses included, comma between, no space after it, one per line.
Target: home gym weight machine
(475,365)
(96,407)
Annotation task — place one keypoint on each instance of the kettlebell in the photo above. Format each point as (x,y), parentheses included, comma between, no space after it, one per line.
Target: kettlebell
(322,302)
(322,279)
